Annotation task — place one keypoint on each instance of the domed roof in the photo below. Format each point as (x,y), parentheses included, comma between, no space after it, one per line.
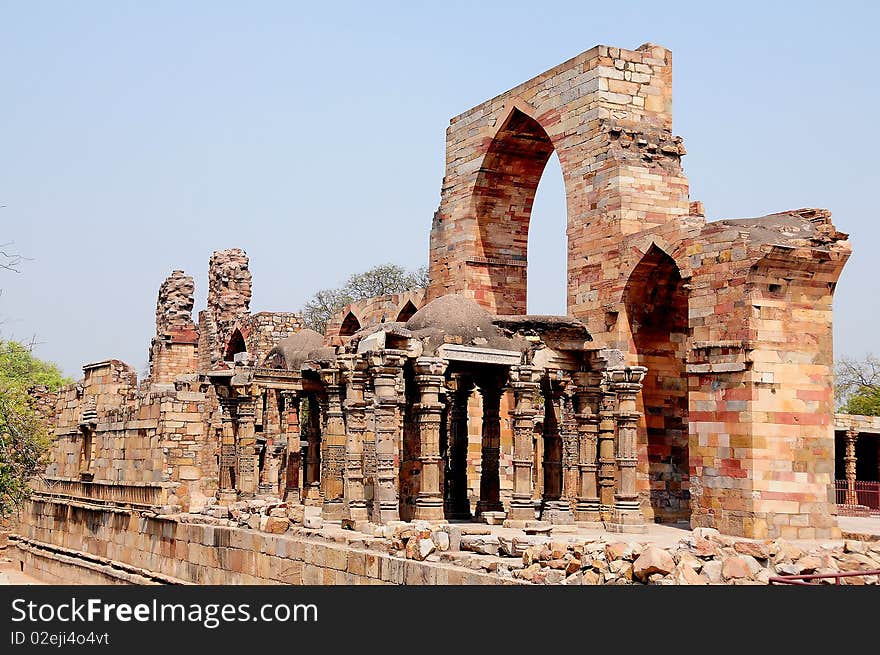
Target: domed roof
(457,319)
(452,313)
(291,352)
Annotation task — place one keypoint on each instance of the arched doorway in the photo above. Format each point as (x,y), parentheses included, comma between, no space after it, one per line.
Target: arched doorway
(656,306)
(503,198)
(406,312)
(350,325)
(235,345)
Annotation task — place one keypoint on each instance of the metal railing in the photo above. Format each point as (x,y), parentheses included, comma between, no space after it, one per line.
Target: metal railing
(809,580)
(865,494)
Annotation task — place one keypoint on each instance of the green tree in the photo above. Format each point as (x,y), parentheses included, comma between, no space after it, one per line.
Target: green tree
(381,280)
(857,385)
(24,439)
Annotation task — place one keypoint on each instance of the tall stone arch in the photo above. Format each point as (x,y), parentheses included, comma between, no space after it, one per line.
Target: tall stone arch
(607,115)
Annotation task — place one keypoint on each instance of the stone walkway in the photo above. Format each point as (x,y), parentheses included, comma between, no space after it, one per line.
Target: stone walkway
(10,575)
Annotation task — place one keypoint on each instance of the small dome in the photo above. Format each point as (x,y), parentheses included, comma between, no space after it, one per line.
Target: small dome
(452,313)
(291,352)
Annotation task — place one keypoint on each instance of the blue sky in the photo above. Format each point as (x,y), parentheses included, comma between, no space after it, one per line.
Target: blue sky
(139,137)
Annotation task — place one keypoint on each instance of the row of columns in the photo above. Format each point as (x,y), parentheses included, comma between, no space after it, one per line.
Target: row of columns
(596,440)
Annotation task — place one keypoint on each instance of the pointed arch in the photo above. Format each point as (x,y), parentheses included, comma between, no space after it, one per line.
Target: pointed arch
(656,307)
(235,345)
(406,312)
(503,197)
(350,325)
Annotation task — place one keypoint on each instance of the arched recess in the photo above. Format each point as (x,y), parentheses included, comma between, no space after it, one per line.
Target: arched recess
(406,312)
(350,325)
(657,310)
(503,197)
(235,345)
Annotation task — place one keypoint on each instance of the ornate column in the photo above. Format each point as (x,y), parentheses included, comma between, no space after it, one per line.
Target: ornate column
(290,426)
(627,514)
(588,397)
(429,378)
(554,507)
(246,444)
(354,513)
(312,480)
(333,446)
(490,481)
(607,462)
(227,493)
(386,367)
(570,446)
(456,502)
(524,382)
(850,459)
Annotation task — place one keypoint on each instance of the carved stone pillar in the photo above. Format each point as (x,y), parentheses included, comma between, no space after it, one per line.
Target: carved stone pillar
(312,480)
(290,426)
(524,382)
(570,441)
(850,459)
(429,378)
(227,494)
(456,503)
(554,507)
(386,367)
(490,480)
(588,397)
(246,445)
(607,462)
(333,446)
(355,506)
(627,515)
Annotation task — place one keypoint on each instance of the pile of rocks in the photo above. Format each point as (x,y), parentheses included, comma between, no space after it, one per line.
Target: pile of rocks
(271,515)
(706,557)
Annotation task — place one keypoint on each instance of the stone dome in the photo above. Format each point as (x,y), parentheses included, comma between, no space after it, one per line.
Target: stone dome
(452,313)
(291,352)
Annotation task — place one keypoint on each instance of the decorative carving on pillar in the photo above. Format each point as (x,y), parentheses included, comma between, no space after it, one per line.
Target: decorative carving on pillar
(850,460)
(627,515)
(455,498)
(554,506)
(588,396)
(607,462)
(524,382)
(312,480)
(246,445)
(227,493)
(354,512)
(333,446)
(386,367)
(490,388)
(429,379)
(290,426)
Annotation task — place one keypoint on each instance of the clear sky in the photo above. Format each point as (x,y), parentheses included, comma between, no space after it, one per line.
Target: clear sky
(136,138)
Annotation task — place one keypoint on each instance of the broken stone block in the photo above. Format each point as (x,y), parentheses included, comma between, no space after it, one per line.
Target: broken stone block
(483,544)
(276,524)
(615,550)
(686,575)
(735,568)
(296,513)
(538,527)
(754,548)
(493,518)
(312,522)
(653,560)
(441,538)
(853,546)
(278,512)
(712,571)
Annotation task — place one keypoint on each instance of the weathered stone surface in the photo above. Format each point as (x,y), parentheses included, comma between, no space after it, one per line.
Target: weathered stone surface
(735,567)
(484,544)
(276,525)
(653,560)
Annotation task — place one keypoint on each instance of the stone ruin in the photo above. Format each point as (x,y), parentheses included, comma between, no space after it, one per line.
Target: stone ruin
(689,382)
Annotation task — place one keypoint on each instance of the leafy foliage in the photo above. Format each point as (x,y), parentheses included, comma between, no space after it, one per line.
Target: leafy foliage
(857,385)
(381,280)
(24,439)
